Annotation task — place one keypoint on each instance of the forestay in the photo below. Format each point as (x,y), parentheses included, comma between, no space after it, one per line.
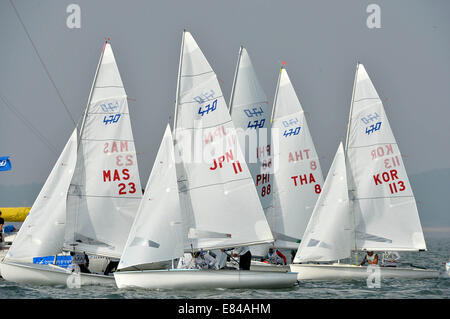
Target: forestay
(329,234)
(218,197)
(384,205)
(298,177)
(42,232)
(105,191)
(156,234)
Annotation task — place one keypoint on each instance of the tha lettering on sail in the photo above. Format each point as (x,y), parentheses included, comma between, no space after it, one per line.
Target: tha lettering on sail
(227,158)
(218,132)
(304,179)
(117,174)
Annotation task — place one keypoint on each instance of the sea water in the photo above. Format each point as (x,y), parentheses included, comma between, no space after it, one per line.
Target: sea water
(438,253)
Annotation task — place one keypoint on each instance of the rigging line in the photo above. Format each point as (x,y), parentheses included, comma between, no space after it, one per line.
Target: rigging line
(42,62)
(16,112)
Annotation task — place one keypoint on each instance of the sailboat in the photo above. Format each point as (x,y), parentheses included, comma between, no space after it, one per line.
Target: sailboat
(250,112)
(90,198)
(298,178)
(367,203)
(214,188)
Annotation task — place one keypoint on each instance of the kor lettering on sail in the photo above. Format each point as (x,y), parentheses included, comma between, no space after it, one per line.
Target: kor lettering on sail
(392,179)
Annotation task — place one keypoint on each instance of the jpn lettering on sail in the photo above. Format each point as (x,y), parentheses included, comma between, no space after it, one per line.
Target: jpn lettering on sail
(385,209)
(156,234)
(250,112)
(298,177)
(329,234)
(217,193)
(42,232)
(105,191)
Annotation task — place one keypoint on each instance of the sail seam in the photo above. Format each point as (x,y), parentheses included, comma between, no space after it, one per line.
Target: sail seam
(101,196)
(382,197)
(205,127)
(108,86)
(197,187)
(367,98)
(370,145)
(214,98)
(241,105)
(108,139)
(192,75)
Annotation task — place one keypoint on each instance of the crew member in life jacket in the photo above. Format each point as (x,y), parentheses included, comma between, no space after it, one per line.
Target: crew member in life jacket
(245,257)
(275,257)
(370,258)
(80,262)
(197,260)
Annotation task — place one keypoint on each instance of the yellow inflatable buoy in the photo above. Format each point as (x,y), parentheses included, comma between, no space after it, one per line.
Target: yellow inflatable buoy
(14,214)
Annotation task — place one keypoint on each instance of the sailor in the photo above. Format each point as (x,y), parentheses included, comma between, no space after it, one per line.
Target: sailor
(245,257)
(203,260)
(370,258)
(390,259)
(276,257)
(112,266)
(80,262)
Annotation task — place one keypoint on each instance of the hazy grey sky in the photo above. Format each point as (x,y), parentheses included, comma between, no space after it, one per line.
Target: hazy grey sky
(408,59)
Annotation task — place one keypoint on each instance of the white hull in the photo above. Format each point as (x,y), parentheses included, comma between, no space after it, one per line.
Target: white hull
(190,279)
(262,266)
(37,274)
(343,271)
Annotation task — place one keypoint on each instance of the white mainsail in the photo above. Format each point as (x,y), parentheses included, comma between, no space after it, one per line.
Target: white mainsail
(329,234)
(250,112)
(298,177)
(384,205)
(42,232)
(218,197)
(105,191)
(156,234)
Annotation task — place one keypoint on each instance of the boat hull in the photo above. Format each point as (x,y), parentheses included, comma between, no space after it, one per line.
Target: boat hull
(193,279)
(37,274)
(262,266)
(343,271)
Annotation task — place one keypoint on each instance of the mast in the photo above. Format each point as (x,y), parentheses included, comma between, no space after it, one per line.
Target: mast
(352,210)
(235,78)
(177,94)
(92,89)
